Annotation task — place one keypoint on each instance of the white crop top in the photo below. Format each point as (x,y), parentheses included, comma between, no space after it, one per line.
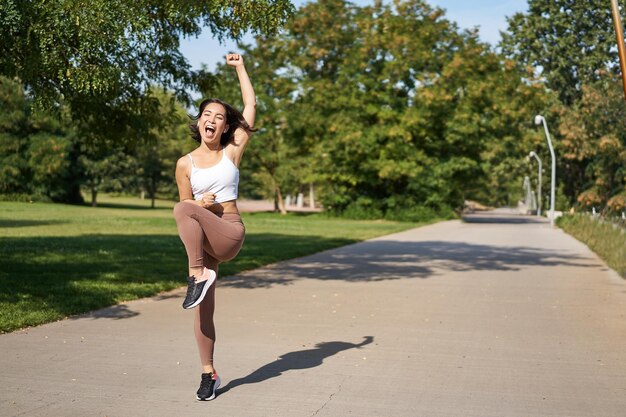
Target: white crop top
(221,179)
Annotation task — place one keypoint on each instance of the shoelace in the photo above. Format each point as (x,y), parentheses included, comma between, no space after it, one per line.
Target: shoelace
(191,281)
(206,382)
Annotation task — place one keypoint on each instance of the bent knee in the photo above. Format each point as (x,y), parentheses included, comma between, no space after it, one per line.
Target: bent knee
(182,209)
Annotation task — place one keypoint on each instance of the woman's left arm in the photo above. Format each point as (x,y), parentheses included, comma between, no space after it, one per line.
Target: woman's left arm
(247,94)
(241,135)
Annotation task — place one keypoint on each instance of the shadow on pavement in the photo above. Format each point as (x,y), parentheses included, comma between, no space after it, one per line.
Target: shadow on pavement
(301,359)
(503,219)
(387,259)
(120,311)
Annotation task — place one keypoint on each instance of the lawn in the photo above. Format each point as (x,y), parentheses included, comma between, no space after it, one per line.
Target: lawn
(59,260)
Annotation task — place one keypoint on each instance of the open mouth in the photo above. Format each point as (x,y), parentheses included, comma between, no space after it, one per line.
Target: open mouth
(209,129)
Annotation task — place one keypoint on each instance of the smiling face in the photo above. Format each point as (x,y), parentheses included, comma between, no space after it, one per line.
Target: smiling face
(212,123)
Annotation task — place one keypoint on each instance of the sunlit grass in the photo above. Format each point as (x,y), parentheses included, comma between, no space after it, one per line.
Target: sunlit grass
(604,238)
(59,260)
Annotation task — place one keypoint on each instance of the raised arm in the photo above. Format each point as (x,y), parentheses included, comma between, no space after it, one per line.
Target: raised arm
(247,91)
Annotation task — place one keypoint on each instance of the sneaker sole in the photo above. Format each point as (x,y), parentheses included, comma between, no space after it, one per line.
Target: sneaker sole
(218,382)
(210,282)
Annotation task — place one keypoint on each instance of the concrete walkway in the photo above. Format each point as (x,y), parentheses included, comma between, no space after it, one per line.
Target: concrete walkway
(498,316)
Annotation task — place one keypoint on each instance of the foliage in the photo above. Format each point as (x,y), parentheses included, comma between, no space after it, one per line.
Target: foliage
(45,157)
(382,120)
(271,164)
(572,46)
(101,57)
(37,150)
(568,41)
(146,167)
(166,141)
(617,203)
(593,144)
(589,198)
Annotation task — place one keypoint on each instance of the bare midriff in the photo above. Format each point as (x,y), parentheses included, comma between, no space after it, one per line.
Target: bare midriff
(226,207)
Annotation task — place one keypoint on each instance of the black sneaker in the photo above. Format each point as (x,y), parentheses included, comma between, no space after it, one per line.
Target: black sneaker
(197,290)
(208,386)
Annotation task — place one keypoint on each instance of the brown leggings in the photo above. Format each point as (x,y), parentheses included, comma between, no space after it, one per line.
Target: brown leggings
(208,238)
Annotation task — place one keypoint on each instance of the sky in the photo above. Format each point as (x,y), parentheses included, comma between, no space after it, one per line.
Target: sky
(488,15)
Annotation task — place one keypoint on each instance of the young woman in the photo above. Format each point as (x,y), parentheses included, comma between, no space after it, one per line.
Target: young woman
(207,217)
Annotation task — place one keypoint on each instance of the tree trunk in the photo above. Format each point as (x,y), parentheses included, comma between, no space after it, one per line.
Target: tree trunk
(311,196)
(153,191)
(94,196)
(279,199)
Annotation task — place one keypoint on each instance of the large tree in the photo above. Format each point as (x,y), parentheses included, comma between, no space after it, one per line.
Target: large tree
(569,42)
(572,46)
(101,56)
(593,144)
(38,152)
(390,109)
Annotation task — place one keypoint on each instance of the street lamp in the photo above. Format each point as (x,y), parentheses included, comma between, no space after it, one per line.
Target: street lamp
(532,154)
(541,120)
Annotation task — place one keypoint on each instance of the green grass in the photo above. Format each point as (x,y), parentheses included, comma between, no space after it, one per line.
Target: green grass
(59,260)
(608,241)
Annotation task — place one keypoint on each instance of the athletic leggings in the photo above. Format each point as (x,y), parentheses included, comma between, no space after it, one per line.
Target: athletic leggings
(208,238)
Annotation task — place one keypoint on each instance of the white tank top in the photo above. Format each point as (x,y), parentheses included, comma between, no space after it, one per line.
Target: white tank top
(221,179)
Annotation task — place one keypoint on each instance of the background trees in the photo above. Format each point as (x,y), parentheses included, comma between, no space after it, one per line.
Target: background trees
(43,156)
(388,110)
(92,66)
(566,41)
(101,57)
(572,46)
(37,150)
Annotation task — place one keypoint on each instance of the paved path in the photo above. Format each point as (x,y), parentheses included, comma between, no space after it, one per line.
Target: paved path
(499,316)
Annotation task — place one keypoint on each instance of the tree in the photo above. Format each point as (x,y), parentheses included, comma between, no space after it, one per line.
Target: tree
(566,41)
(14,125)
(142,167)
(593,142)
(168,140)
(572,46)
(103,167)
(37,150)
(390,110)
(100,57)
(271,164)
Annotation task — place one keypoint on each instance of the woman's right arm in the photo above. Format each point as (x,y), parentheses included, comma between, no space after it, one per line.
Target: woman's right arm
(183,168)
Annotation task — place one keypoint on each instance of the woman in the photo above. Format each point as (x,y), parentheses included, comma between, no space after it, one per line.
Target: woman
(207,217)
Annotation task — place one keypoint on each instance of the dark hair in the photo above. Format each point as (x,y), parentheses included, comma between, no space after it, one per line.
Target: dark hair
(234,119)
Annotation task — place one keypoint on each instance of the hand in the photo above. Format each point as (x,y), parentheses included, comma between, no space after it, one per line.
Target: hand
(208,199)
(234,60)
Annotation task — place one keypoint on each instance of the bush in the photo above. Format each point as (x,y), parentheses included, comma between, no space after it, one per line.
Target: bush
(617,203)
(418,214)
(364,208)
(589,198)
(24,198)
(406,209)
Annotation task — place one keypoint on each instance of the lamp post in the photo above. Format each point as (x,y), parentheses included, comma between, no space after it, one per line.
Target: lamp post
(541,120)
(532,154)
